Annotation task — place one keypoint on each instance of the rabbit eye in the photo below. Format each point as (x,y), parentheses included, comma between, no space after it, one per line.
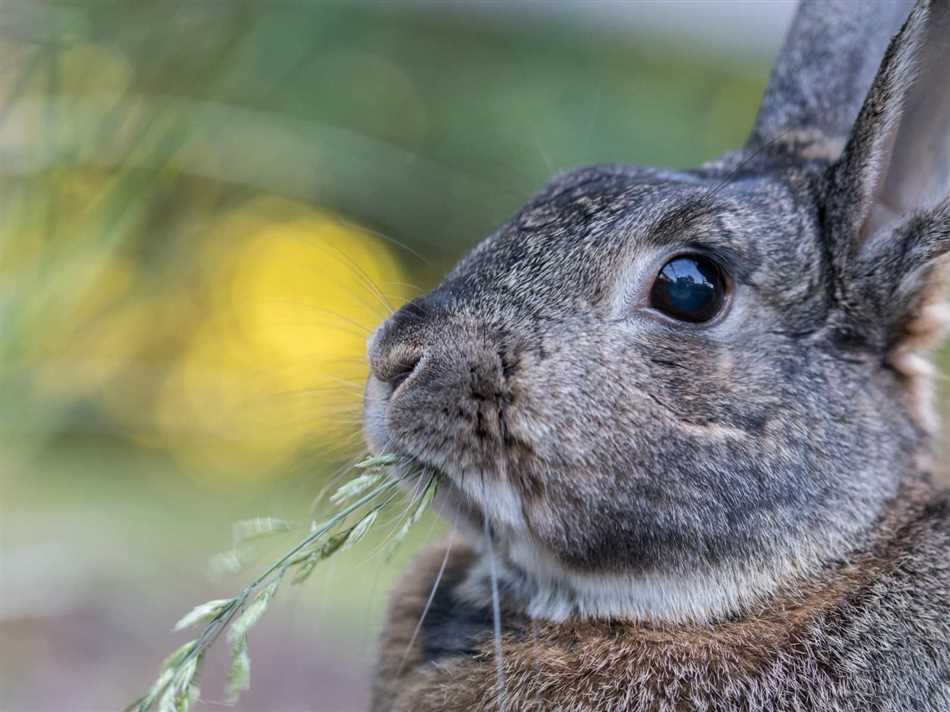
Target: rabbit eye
(689,288)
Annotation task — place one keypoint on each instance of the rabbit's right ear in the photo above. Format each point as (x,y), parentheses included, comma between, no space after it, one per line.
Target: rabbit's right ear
(886,205)
(897,159)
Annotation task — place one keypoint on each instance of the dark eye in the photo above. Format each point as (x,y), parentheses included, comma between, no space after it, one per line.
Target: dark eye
(689,288)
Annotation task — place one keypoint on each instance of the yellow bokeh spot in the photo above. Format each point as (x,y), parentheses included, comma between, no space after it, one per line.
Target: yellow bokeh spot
(278,361)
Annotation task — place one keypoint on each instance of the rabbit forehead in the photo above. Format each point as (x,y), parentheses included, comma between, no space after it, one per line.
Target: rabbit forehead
(579,237)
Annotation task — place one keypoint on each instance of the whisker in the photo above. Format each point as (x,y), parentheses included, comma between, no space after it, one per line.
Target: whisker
(731,176)
(536,662)
(549,164)
(316,307)
(344,389)
(408,285)
(595,111)
(361,273)
(385,238)
(501,687)
(428,605)
(342,397)
(329,326)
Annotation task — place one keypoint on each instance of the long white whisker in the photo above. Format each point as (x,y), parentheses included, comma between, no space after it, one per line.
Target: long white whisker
(548,163)
(428,605)
(500,685)
(387,238)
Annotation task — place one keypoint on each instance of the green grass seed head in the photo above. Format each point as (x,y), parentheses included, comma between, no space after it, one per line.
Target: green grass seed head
(363,498)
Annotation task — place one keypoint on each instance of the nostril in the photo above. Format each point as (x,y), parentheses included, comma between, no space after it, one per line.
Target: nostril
(401,372)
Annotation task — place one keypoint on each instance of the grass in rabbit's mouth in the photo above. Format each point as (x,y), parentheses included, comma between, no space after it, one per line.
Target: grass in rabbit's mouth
(359,504)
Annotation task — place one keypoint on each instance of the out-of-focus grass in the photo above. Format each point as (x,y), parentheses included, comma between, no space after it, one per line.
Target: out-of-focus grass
(101,559)
(201,200)
(205,207)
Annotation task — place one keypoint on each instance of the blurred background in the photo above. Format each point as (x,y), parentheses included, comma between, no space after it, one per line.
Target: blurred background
(206,207)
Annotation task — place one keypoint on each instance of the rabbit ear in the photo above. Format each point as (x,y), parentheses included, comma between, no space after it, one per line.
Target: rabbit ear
(886,207)
(822,74)
(897,158)
(915,173)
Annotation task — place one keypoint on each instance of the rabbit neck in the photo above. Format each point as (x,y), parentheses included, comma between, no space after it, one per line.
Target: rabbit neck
(534,583)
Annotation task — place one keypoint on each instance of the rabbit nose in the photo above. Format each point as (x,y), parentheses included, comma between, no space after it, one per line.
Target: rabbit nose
(397,347)
(401,372)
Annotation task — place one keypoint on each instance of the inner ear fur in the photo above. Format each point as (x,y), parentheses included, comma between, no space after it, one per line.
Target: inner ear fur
(887,200)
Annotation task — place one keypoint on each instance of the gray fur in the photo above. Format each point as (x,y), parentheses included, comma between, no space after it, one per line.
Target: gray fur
(824,69)
(634,468)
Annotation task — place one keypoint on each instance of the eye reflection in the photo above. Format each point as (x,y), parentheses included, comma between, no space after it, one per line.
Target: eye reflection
(689,288)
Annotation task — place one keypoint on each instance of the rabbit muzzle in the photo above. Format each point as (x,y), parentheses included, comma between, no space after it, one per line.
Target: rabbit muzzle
(442,394)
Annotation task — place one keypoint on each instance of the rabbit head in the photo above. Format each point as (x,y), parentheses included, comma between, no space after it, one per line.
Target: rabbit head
(669,392)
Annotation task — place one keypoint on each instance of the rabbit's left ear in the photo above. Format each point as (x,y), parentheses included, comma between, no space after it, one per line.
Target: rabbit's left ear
(886,205)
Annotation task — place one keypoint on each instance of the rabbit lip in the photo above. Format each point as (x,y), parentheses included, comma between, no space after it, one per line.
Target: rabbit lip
(456,501)
(471,494)
(449,495)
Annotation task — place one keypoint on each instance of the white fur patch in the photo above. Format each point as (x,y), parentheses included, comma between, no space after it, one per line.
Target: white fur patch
(549,592)
(534,580)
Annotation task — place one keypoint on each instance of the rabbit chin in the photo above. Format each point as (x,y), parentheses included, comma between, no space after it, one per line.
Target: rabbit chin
(537,583)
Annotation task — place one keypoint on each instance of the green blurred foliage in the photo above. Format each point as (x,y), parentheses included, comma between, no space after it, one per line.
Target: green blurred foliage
(138,130)
(205,207)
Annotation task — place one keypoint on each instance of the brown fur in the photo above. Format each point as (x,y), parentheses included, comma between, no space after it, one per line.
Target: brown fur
(789,655)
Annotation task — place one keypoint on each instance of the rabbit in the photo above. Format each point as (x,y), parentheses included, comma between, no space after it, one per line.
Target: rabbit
(682,421)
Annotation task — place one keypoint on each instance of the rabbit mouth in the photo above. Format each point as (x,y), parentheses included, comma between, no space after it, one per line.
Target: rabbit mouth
(465,497)
(480,472)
